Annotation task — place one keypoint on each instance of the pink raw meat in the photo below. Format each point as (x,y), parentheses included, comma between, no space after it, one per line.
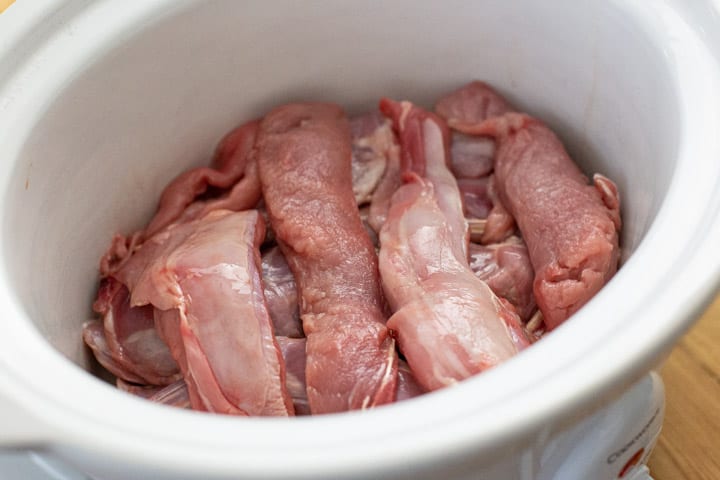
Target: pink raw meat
(304,155)
(293,352)
(372,136)
(476,198)
(469,105)
(471,156)
(570,227)
(507,270)
(449,324)
(408,387)
(203,278)
(130,347)
(281,294)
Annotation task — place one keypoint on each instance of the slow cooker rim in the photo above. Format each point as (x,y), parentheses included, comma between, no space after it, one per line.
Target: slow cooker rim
(705,286)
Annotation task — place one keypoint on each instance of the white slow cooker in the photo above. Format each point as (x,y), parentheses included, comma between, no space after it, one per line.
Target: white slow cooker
(102,102)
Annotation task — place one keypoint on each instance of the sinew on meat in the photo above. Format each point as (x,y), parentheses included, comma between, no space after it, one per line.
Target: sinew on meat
(304,155)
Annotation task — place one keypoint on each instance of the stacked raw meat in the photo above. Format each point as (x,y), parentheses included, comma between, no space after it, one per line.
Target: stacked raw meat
(322,264)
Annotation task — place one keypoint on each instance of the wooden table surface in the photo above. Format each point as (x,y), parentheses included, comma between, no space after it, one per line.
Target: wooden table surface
(689,445)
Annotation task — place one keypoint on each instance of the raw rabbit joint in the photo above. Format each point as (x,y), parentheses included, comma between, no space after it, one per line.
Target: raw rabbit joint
(323,263)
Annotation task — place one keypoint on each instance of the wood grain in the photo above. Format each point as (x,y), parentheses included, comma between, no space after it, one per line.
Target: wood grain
(5,4)
(689,445)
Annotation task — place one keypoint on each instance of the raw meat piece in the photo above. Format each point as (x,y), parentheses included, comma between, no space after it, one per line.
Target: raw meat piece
(570,227)
(281,294)
(471,156)
(365,218)
(94,337)
(293,352)
(304,155)
(138,354)
(144,391)
(507,270)
(174,395)
(426,159)
(203,278)
(372,136)
(407,387)
(471,104)
(500,223)
(476,199)
(389,183)
(449,324)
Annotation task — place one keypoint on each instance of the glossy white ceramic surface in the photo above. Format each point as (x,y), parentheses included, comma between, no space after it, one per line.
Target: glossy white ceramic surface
(101,103)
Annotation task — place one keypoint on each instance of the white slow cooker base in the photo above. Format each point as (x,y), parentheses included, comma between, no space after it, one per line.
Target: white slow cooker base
(596,448)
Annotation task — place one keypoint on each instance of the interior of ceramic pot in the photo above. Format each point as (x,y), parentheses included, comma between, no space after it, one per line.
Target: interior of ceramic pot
(158,101)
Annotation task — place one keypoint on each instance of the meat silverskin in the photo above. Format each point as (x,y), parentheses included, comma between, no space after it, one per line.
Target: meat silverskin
(304,157)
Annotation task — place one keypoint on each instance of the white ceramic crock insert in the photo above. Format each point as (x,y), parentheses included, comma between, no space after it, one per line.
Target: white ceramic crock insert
(101,103)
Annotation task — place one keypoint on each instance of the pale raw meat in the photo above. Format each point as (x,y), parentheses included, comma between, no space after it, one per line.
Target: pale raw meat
(570,227)
(428,159)
(203,278)
(471,156)
(500,223)
(281,294)
(372,136)
(304,155)
(507,270)
(94,337)
(129,341)
(449,324)
(293,352)
(476,198)
(407,387)
(389,183)
(365,218)
(174,395)
(469,105)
